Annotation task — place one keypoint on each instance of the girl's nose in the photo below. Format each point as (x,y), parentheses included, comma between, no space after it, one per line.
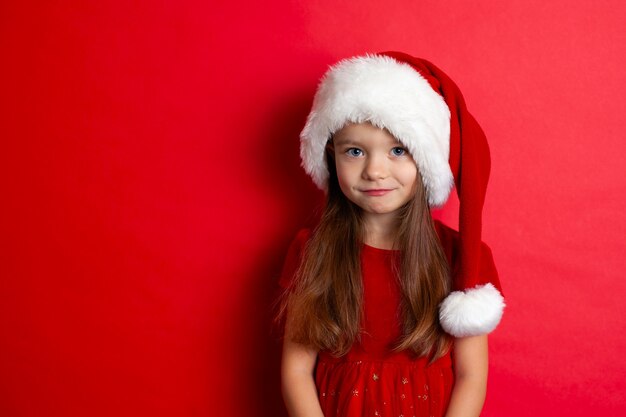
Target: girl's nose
(376,168)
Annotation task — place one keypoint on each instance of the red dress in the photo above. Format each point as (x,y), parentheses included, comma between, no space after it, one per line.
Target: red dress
(371,380)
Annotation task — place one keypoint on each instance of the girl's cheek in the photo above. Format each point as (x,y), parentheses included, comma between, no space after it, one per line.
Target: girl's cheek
(342,172)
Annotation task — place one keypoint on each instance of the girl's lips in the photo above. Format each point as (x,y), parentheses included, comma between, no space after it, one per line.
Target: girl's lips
(376,192)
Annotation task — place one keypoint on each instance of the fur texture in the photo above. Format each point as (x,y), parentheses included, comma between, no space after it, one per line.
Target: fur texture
(472,312)
(388,94)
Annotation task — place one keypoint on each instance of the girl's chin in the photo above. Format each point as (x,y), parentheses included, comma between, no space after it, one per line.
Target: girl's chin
(379,211)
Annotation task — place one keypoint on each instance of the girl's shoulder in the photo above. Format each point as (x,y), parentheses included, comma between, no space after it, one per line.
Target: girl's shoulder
(302,236)
(450,239)
(448,236)
(450,242)
(444,228)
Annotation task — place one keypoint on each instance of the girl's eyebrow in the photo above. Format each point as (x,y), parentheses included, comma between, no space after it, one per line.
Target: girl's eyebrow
(348,141)
(345,141)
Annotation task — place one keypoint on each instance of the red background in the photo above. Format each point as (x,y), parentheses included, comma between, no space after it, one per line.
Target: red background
(151,184)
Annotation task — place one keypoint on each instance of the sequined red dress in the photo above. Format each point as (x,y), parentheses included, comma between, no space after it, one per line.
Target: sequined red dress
(370,380)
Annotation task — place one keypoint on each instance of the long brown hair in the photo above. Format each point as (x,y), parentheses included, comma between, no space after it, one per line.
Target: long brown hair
(325,298)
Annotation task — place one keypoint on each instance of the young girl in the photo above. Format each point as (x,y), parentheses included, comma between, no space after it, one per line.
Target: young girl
(387,311)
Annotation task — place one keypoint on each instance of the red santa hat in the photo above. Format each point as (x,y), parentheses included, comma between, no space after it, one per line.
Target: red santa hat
(425,110)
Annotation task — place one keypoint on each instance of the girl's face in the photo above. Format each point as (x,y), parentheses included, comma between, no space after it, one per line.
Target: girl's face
(375,171)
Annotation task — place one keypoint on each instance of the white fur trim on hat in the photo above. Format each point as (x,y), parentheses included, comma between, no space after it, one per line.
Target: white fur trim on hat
(391,95)
(472,312)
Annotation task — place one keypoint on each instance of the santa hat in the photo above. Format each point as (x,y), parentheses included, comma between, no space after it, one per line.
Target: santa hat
(425,110)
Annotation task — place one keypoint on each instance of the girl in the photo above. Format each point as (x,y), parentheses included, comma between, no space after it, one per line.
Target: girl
(387,311)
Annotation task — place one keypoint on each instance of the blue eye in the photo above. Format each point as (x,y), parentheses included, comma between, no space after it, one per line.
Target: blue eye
(398,151)
(352,151)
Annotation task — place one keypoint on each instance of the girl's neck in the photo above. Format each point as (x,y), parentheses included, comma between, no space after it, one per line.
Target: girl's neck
(380,232)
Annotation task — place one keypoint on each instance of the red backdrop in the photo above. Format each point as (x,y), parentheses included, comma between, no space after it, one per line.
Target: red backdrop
(151,183)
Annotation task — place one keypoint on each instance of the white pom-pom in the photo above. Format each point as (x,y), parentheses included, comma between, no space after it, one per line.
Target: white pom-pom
(472,312)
